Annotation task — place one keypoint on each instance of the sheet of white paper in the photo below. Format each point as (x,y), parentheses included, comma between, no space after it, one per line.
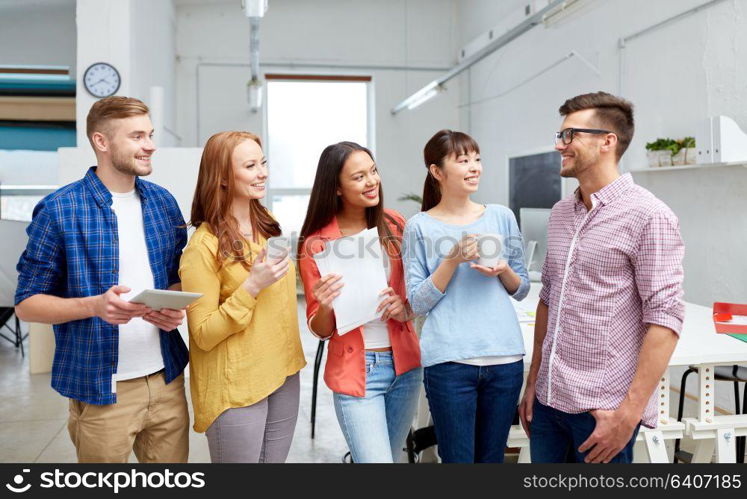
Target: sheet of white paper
(360,262)
(737,320)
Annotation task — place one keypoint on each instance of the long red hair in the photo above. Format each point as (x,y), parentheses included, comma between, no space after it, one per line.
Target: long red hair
(214,196)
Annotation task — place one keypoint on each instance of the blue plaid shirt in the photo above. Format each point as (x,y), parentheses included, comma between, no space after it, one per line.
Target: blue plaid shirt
(73,252)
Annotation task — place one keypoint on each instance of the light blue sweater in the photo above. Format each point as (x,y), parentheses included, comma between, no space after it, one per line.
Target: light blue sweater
(474,317)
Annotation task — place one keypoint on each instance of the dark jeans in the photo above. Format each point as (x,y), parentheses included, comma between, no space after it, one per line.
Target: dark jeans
(557,435)
(472,409)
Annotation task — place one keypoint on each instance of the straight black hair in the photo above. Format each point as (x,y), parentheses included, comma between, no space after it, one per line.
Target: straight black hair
(325,204)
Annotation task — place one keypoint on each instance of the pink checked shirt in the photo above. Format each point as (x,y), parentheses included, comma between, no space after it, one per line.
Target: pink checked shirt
(609,272)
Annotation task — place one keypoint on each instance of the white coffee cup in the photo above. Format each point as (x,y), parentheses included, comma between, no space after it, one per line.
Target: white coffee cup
(278,248)
(490,249)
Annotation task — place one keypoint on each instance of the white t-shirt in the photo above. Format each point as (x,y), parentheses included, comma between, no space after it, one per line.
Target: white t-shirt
(139,341)
(375,332)
(376,335)
(491,360)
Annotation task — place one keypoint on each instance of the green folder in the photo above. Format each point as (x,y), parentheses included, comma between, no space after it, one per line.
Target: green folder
(742,337)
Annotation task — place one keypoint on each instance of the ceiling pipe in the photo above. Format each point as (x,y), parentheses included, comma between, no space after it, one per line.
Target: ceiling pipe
(254,85)
(254,10)
(417,98)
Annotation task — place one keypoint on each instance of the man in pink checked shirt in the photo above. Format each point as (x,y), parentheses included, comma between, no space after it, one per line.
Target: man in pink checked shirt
(611,308)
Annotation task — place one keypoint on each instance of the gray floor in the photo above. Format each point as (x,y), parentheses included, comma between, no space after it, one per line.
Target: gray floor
(33,417)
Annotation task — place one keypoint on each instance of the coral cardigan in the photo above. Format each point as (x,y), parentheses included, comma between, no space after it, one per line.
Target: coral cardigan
(345,371)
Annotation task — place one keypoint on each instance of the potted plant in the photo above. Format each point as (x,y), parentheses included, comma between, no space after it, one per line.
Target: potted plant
(685,153)
(411,196)
(659,152)
(672,148)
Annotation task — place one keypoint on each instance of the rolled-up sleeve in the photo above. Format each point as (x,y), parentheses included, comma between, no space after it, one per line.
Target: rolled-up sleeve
(515,253)
(41,266)
(422,294)
(547,276)
(544,295)
(659,272)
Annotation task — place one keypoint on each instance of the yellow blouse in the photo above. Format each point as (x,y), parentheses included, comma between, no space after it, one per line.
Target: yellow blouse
(241,349)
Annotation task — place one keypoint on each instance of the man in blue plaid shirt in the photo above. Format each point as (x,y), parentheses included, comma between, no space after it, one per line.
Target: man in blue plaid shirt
(92,245)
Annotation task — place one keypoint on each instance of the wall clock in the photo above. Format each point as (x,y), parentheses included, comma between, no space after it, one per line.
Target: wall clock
(101,79)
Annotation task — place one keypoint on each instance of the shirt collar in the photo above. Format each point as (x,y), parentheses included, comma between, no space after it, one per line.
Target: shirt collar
(101,194)
(609,192)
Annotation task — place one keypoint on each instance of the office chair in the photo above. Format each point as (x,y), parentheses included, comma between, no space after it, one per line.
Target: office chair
(17,339)
(315,385)
(419,440)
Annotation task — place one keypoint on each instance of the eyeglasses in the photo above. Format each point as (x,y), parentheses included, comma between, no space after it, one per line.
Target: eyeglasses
(566,136)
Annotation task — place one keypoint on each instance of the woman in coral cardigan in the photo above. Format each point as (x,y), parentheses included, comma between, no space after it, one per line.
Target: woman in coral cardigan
(374,370)
(244,343)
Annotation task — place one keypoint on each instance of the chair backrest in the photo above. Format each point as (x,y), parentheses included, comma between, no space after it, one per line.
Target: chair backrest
(5,314)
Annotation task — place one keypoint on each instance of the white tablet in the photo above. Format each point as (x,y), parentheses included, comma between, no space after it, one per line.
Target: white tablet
(163,298)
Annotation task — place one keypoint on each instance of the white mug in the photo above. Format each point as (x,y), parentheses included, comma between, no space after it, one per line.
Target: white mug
(490,249)
(278,247)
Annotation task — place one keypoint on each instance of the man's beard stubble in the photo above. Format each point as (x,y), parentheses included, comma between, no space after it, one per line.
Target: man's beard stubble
(581,163)
(127,165)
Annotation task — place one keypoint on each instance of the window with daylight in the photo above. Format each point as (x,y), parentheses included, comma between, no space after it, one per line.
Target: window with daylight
(304,115)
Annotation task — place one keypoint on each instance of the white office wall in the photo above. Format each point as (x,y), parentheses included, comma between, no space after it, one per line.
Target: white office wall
(103,35)
(336,37)
(14,167)
(38,33)
(137,38)
(153,39)
(479,16)
(675,76)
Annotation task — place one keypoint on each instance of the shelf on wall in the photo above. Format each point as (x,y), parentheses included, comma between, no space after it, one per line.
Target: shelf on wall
(686,167)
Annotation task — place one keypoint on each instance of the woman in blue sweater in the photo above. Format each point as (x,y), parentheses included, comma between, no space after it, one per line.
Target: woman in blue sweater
(471,343)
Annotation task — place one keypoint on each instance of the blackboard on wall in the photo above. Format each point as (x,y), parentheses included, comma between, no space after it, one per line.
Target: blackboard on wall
(534,181)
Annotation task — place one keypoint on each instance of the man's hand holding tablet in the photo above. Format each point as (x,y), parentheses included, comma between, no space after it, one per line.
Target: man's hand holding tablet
(167,307)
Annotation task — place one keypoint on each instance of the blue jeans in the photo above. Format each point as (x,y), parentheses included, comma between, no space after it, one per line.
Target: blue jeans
(376,426)
(472,409)
(557,435)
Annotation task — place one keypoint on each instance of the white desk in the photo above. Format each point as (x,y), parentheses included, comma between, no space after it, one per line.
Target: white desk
(699,346)
(702,347)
